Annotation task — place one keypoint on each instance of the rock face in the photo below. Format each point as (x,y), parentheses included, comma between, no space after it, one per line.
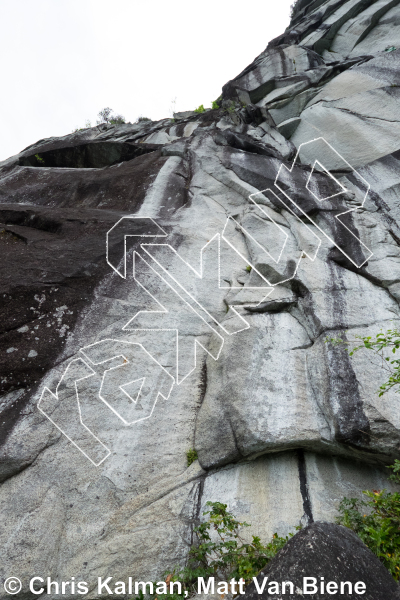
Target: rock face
(255,231)
(334,554)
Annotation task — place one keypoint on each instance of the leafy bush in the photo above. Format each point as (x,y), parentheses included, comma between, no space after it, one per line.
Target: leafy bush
(215,104)
(200,109)
(391,340)
(229,556)
(231,107)
(141,119)
(117,120)
(191,456)
(377,522)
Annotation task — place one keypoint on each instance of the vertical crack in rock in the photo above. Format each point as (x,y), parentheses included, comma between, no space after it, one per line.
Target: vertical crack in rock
(351,424)
(196,521)
(304,487)
(188,166)
(202,385)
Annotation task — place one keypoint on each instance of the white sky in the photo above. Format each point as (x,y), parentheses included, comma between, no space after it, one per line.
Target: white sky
(64,60)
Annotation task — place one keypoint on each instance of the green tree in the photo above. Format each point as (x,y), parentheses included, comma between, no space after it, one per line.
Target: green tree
(377,522)
(106,116)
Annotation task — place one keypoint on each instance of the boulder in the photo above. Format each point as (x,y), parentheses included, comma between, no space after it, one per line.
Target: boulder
(328,555)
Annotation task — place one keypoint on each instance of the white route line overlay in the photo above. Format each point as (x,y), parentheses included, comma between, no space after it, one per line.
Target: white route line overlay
(336,216)
(121,387)
(56,396)
(302,251)
(46,389)
(164,310)
(152,235)
(200,275)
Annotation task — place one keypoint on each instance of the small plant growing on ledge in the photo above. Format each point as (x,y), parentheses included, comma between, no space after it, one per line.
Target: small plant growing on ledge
(231,107)
(215,104)
(39,160)
(200,109)
(117,120)
(248,268)
(191,456)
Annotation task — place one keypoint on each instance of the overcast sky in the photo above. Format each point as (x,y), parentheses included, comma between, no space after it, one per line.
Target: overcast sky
(64,60)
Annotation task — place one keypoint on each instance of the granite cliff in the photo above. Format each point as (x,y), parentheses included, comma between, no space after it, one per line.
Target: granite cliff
(259,228)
